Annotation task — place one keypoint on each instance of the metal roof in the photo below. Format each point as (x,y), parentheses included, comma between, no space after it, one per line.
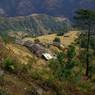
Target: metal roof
(47,56)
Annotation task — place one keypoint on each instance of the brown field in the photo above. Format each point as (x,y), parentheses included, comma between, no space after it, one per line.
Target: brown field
(24,56)
(67,39)
(20,52)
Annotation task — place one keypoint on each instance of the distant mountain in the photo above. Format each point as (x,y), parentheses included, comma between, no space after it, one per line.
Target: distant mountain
(50,7)
(36,24)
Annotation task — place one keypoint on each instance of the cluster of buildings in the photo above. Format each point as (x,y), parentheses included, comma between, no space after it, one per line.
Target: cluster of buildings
(36,48)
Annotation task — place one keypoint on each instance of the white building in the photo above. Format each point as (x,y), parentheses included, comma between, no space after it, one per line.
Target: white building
(47,56)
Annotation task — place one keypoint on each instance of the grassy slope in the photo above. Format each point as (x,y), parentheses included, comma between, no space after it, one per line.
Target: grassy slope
(23,54)
(17,86)
(49,38)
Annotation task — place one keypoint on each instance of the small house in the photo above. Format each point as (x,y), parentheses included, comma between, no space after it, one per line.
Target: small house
(47,56)
(38,49)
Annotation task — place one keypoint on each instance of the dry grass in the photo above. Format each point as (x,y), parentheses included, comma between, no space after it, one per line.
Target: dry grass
(24,56)
(20,52)
(49,38)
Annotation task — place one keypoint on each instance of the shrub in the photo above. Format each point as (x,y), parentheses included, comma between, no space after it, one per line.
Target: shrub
(9,64)
(60,33)
(64,66)
(57,40)
(37,41)
(2,92)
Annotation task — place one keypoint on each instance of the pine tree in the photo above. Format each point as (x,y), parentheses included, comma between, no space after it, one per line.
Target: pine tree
(85,19)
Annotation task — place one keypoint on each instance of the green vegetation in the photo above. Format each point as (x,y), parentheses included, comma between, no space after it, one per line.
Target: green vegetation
(63,67)
(57,40)
(58,77)
(2,92)
(85,20)
(9,64)
(70,72)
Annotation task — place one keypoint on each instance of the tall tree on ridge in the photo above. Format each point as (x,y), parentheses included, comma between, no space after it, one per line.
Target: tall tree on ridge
(85,19)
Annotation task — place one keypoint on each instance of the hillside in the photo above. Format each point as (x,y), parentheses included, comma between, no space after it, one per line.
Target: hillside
(66,41)
(50,7)
(36,24)
(27,74)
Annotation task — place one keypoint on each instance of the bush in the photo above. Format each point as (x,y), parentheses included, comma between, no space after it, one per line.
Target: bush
(57,40)
(64,66)
(9,64)
(37,41)
(60,33)
(2,92)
